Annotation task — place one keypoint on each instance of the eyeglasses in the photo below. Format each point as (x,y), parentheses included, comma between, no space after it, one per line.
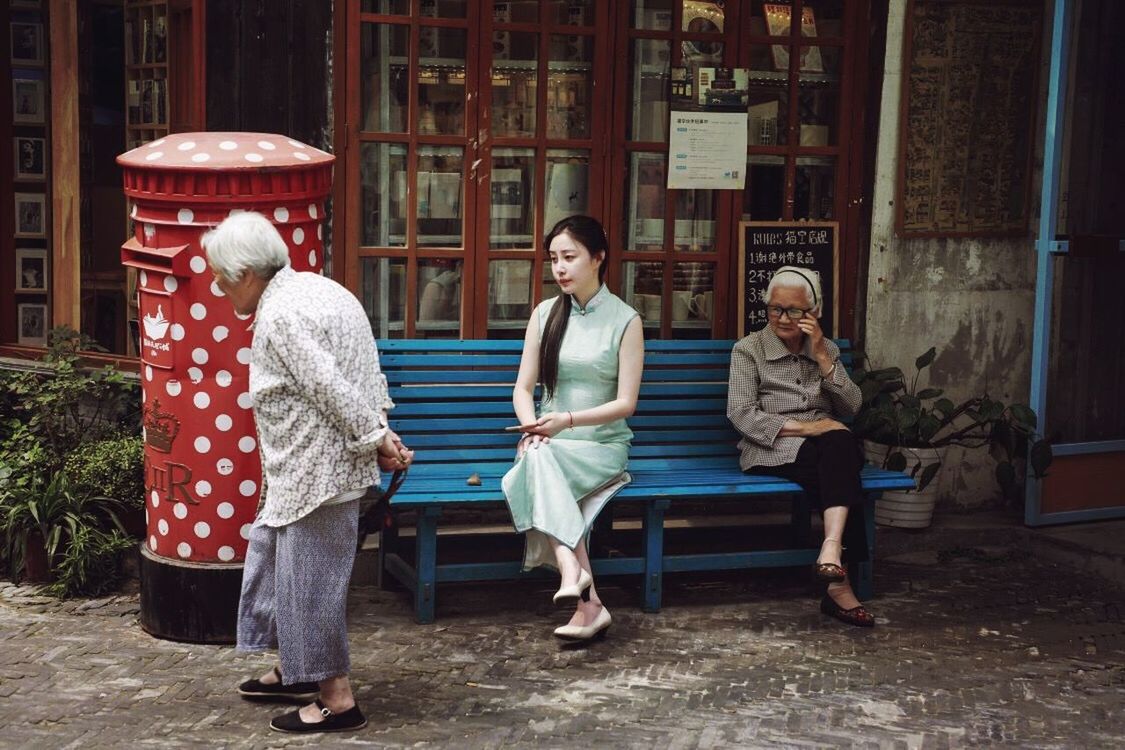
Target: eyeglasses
(794,313)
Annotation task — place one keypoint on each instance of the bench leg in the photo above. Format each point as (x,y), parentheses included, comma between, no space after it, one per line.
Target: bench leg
(425,564)
(601,535)
(800,523)
(863,575)
(388,544)
(653,583)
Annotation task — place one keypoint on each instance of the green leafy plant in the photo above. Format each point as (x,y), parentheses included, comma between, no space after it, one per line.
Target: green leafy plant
(55,516)
(113,467)
(71,461)
(63,404)
(896,413)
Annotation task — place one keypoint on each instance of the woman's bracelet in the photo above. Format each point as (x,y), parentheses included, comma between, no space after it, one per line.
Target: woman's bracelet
(571,415)
(831,371)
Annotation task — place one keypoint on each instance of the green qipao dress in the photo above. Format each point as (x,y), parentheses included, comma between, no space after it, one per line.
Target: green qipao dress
(559,488)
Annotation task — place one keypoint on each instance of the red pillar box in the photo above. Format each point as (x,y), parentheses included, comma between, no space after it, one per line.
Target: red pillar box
(202,470)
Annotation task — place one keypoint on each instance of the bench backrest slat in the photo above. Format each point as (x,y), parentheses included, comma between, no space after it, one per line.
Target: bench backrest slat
(454,398)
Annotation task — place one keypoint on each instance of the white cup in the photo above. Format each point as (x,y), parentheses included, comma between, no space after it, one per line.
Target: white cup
(681,305)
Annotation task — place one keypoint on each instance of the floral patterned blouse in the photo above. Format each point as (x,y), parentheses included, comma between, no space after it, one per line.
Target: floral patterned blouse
(320,400)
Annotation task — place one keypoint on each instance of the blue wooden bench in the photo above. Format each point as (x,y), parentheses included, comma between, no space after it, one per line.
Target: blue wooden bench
(454,399)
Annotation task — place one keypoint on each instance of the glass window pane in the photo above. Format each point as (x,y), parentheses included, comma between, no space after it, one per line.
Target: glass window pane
(701,17)
(826,17)
(509,297)
(820,64)
(441,8)
(383,291)
(571,12)
(549,288)
(382,174)
(511,212)
(388,7)
(818,106)
(568,186)
(695,220)
(651,82)
(383,73)
(652,14)
(515,76)
(693,297)
(642,287)
(645,202)
(814,190)
(439,299)
(767,120)
(569,86)
(441,185)
(516,11)
(441,81)
(763,199)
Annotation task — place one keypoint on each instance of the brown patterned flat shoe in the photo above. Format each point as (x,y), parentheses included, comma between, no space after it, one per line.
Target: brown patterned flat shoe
(857,616)
(829,572)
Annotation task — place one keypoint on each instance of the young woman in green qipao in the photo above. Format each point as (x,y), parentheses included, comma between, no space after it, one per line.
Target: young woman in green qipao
(586,348)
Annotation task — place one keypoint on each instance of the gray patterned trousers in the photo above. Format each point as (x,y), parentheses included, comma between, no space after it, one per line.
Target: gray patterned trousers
(295,592)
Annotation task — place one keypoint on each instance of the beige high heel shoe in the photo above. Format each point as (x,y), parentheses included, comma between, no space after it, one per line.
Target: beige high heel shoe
(569,595)
(596,629)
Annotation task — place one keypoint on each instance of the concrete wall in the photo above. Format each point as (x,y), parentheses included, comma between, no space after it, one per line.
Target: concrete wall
(972,299)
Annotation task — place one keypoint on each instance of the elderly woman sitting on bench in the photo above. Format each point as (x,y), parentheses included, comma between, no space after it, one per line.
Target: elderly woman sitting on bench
(786,395)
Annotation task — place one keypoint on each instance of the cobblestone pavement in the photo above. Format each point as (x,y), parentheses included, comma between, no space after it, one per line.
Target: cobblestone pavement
(974,647)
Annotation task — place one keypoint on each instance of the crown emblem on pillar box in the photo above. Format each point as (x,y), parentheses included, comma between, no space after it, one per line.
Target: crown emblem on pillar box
(161,428)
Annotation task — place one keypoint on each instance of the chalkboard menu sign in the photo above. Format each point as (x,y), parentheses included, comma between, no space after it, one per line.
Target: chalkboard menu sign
(765,246)
(967,118)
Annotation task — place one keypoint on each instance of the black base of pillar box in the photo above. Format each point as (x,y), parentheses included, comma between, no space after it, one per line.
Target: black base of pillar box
(193,602)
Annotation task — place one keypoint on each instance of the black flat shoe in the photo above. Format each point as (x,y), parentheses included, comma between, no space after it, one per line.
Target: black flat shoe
(333,722)
(857,616)
(298,692)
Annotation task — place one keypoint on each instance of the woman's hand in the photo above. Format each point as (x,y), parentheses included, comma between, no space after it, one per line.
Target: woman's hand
(552,423)
(393,455)
(818,346)
(530,440)
(821,426)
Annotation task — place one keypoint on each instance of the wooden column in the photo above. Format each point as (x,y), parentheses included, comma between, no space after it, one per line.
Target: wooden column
(64,187)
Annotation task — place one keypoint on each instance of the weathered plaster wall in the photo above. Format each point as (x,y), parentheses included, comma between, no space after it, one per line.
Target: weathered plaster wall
(972,299)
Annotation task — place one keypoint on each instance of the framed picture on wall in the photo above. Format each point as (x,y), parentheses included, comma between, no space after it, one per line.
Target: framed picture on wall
(27,43)
(32,324)
(34,4)
(30,158)
(31,269)
(31,215)
(28,104)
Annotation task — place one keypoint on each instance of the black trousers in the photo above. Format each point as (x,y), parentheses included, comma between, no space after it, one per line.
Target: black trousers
(827,468)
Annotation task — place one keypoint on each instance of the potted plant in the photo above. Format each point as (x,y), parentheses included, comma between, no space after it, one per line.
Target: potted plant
(907,429)
(60,420)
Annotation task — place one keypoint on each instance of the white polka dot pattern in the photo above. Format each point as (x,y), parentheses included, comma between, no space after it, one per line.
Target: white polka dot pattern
(224,150)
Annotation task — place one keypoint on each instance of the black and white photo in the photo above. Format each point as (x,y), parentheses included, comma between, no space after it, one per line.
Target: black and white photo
(32,322)
(31,215)
(31,269)
(30,158)
(27,101)
(27,43)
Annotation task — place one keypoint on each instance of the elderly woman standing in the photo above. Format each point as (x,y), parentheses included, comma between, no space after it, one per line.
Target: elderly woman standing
(320,403)
(787,393)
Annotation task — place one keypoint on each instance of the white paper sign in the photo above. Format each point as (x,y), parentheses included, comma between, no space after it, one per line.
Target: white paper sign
(707,150)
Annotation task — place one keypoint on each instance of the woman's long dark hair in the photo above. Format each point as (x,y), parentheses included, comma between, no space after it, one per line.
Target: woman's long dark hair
(588,232)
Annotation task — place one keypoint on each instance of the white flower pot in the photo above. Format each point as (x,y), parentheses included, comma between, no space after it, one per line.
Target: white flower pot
(908,509)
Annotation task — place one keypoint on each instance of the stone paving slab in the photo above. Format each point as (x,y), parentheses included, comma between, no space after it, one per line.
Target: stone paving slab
(975,647)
